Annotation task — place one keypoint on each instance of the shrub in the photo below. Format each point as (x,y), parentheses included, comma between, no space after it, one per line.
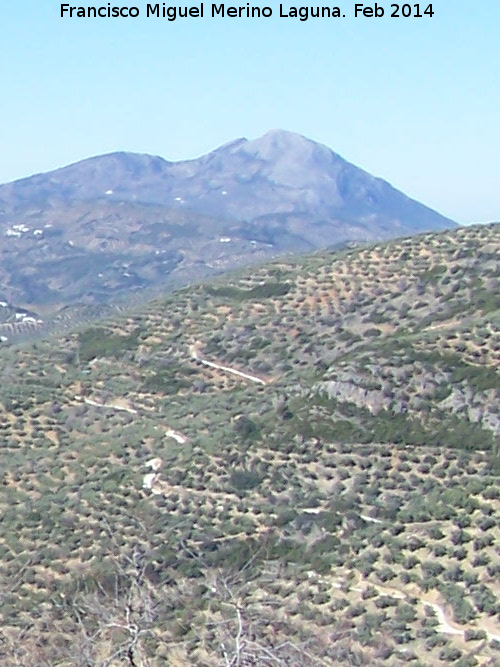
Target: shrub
(244,479)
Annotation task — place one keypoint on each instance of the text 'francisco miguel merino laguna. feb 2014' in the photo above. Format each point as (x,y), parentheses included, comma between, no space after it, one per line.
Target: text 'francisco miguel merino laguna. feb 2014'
(220,10)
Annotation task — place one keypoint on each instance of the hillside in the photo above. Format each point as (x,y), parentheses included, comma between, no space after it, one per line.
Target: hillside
(296,464)
(83,256)
(114,225)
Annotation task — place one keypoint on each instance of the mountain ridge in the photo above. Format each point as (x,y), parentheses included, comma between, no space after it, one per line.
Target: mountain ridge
(120,223)
(320,178)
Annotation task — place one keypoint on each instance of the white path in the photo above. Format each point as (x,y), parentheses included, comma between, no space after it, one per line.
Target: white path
(370,519)
(195,354)
(176,435)
(444,624)
(121,408)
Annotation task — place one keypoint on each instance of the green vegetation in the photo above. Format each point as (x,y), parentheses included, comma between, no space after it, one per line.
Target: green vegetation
(264,291)
(318,504)
(100,343)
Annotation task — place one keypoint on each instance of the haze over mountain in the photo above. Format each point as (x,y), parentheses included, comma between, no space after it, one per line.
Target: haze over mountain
(115,223)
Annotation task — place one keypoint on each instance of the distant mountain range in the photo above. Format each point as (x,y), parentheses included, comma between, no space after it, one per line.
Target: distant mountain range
(114,223)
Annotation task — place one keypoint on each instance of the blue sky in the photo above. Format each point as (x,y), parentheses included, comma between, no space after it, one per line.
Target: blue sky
(413,100)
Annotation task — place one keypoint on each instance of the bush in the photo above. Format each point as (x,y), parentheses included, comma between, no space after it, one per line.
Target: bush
(474,635)
(450,654)
(243,479)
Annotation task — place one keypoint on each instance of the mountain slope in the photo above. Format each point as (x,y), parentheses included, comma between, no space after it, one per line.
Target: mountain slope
(295,465)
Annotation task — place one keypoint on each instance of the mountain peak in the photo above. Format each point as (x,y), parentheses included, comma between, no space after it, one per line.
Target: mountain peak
(277,144)
(268,146)
(284,137)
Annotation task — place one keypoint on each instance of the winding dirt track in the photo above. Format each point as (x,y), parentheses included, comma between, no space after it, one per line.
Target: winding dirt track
(446,625)
(227,369)
(111,406)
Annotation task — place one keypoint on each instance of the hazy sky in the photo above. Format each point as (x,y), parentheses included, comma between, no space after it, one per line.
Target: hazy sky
(413,100)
